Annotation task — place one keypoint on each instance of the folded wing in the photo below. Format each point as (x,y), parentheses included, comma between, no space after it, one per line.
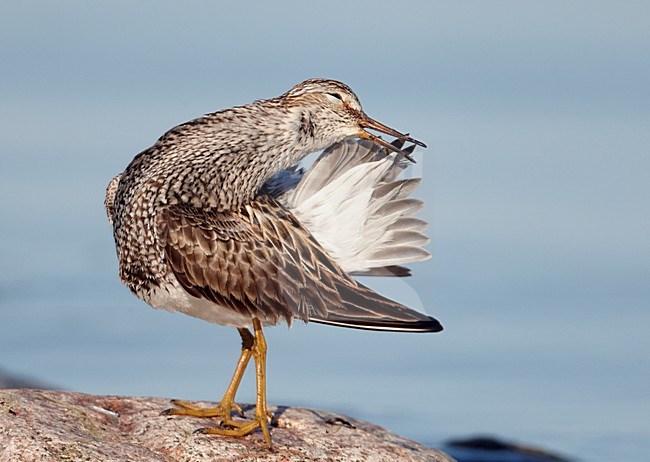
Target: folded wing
(261,262)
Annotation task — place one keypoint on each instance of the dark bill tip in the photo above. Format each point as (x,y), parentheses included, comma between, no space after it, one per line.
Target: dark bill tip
(414,141)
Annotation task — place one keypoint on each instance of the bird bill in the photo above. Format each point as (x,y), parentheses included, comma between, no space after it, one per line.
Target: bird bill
(367,122)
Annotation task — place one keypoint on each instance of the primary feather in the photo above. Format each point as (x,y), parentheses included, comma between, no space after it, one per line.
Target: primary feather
(353,204)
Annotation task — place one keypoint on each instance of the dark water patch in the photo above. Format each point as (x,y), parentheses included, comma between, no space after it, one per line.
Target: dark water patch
(493,449)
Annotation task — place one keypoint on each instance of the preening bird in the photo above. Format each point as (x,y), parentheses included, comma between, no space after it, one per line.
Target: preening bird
(216,221)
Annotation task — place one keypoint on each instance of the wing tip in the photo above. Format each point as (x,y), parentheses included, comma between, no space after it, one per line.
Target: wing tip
(431,325)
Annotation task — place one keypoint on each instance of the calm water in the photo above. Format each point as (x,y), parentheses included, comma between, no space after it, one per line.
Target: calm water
(535,182)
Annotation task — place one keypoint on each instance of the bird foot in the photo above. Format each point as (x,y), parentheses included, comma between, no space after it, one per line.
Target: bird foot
(223,410)
(237,429)
(233,428)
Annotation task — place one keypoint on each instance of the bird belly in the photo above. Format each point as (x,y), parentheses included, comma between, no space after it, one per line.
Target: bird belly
(172,297)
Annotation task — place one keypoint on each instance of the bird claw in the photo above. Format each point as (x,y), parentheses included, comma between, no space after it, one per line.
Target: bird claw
(239,410)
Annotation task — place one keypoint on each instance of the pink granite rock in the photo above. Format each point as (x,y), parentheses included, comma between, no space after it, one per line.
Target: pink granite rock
(46,426)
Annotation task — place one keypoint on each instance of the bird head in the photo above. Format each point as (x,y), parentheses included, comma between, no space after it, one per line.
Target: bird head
(331,111)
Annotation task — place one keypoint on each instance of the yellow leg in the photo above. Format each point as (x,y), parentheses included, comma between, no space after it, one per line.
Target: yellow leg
(227,404)
(261,412)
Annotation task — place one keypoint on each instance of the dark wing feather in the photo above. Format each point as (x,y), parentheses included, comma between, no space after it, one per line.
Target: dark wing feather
(260,262)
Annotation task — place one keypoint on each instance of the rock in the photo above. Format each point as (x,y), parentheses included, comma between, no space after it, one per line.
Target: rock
(37,425)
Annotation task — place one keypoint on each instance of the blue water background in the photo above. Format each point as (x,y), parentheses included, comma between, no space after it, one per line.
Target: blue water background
(536,184)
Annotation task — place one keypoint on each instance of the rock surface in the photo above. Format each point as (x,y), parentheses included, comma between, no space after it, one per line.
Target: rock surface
(37,425)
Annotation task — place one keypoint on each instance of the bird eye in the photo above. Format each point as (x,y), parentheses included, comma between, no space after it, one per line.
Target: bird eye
(335,97)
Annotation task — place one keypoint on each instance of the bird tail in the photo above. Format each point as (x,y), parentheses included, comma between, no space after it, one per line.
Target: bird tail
(353,204)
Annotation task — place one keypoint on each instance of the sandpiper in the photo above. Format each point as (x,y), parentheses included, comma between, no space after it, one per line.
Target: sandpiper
(216,221)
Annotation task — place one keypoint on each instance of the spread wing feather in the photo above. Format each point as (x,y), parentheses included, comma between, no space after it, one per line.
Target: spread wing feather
(353,203)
